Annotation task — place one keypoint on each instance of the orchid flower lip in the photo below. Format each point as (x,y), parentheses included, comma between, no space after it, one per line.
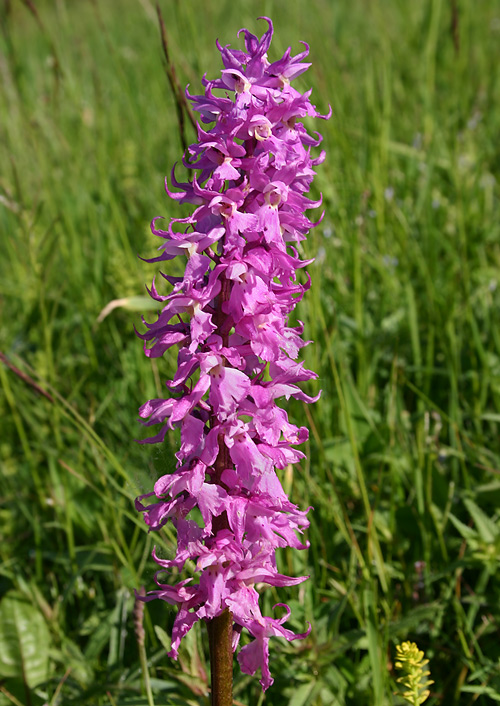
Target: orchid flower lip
(238,353)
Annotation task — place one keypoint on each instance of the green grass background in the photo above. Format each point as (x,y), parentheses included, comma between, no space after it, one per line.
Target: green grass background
(403,461)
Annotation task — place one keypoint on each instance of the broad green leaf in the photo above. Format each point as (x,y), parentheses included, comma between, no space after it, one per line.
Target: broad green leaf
(24,640)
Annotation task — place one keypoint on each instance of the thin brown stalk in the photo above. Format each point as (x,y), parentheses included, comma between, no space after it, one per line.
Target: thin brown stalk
(455,26)
(25,378)
(181,105)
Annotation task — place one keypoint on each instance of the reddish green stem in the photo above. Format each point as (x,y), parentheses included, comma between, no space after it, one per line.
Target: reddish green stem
(220,629)
(220,633)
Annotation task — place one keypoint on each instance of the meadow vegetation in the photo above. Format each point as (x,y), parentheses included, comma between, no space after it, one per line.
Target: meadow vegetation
(403,461)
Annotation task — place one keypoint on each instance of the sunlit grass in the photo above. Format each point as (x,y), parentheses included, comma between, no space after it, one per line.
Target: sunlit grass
(403,458)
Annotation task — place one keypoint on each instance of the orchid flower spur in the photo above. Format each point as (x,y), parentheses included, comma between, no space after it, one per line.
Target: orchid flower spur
(238,352)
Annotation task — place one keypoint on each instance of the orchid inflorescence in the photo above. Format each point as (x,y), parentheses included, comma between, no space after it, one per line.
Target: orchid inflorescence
(238,354)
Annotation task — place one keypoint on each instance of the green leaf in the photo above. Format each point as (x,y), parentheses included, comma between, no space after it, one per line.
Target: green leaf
(465,531)
(414,618)
(301,695)
(491,417)
(372,633)
(484,690)
(163,637)
(140,302)
(24,640)
(73,658)
(485,525)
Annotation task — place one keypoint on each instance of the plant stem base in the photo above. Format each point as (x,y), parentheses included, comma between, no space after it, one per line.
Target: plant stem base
(220,634)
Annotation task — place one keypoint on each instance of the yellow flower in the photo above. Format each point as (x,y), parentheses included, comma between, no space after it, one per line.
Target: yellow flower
(410,660)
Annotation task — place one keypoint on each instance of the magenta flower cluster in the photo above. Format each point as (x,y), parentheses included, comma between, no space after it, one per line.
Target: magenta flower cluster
(237,352)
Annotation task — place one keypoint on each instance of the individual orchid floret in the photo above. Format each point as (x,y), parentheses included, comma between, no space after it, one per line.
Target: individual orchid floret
(237,348)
